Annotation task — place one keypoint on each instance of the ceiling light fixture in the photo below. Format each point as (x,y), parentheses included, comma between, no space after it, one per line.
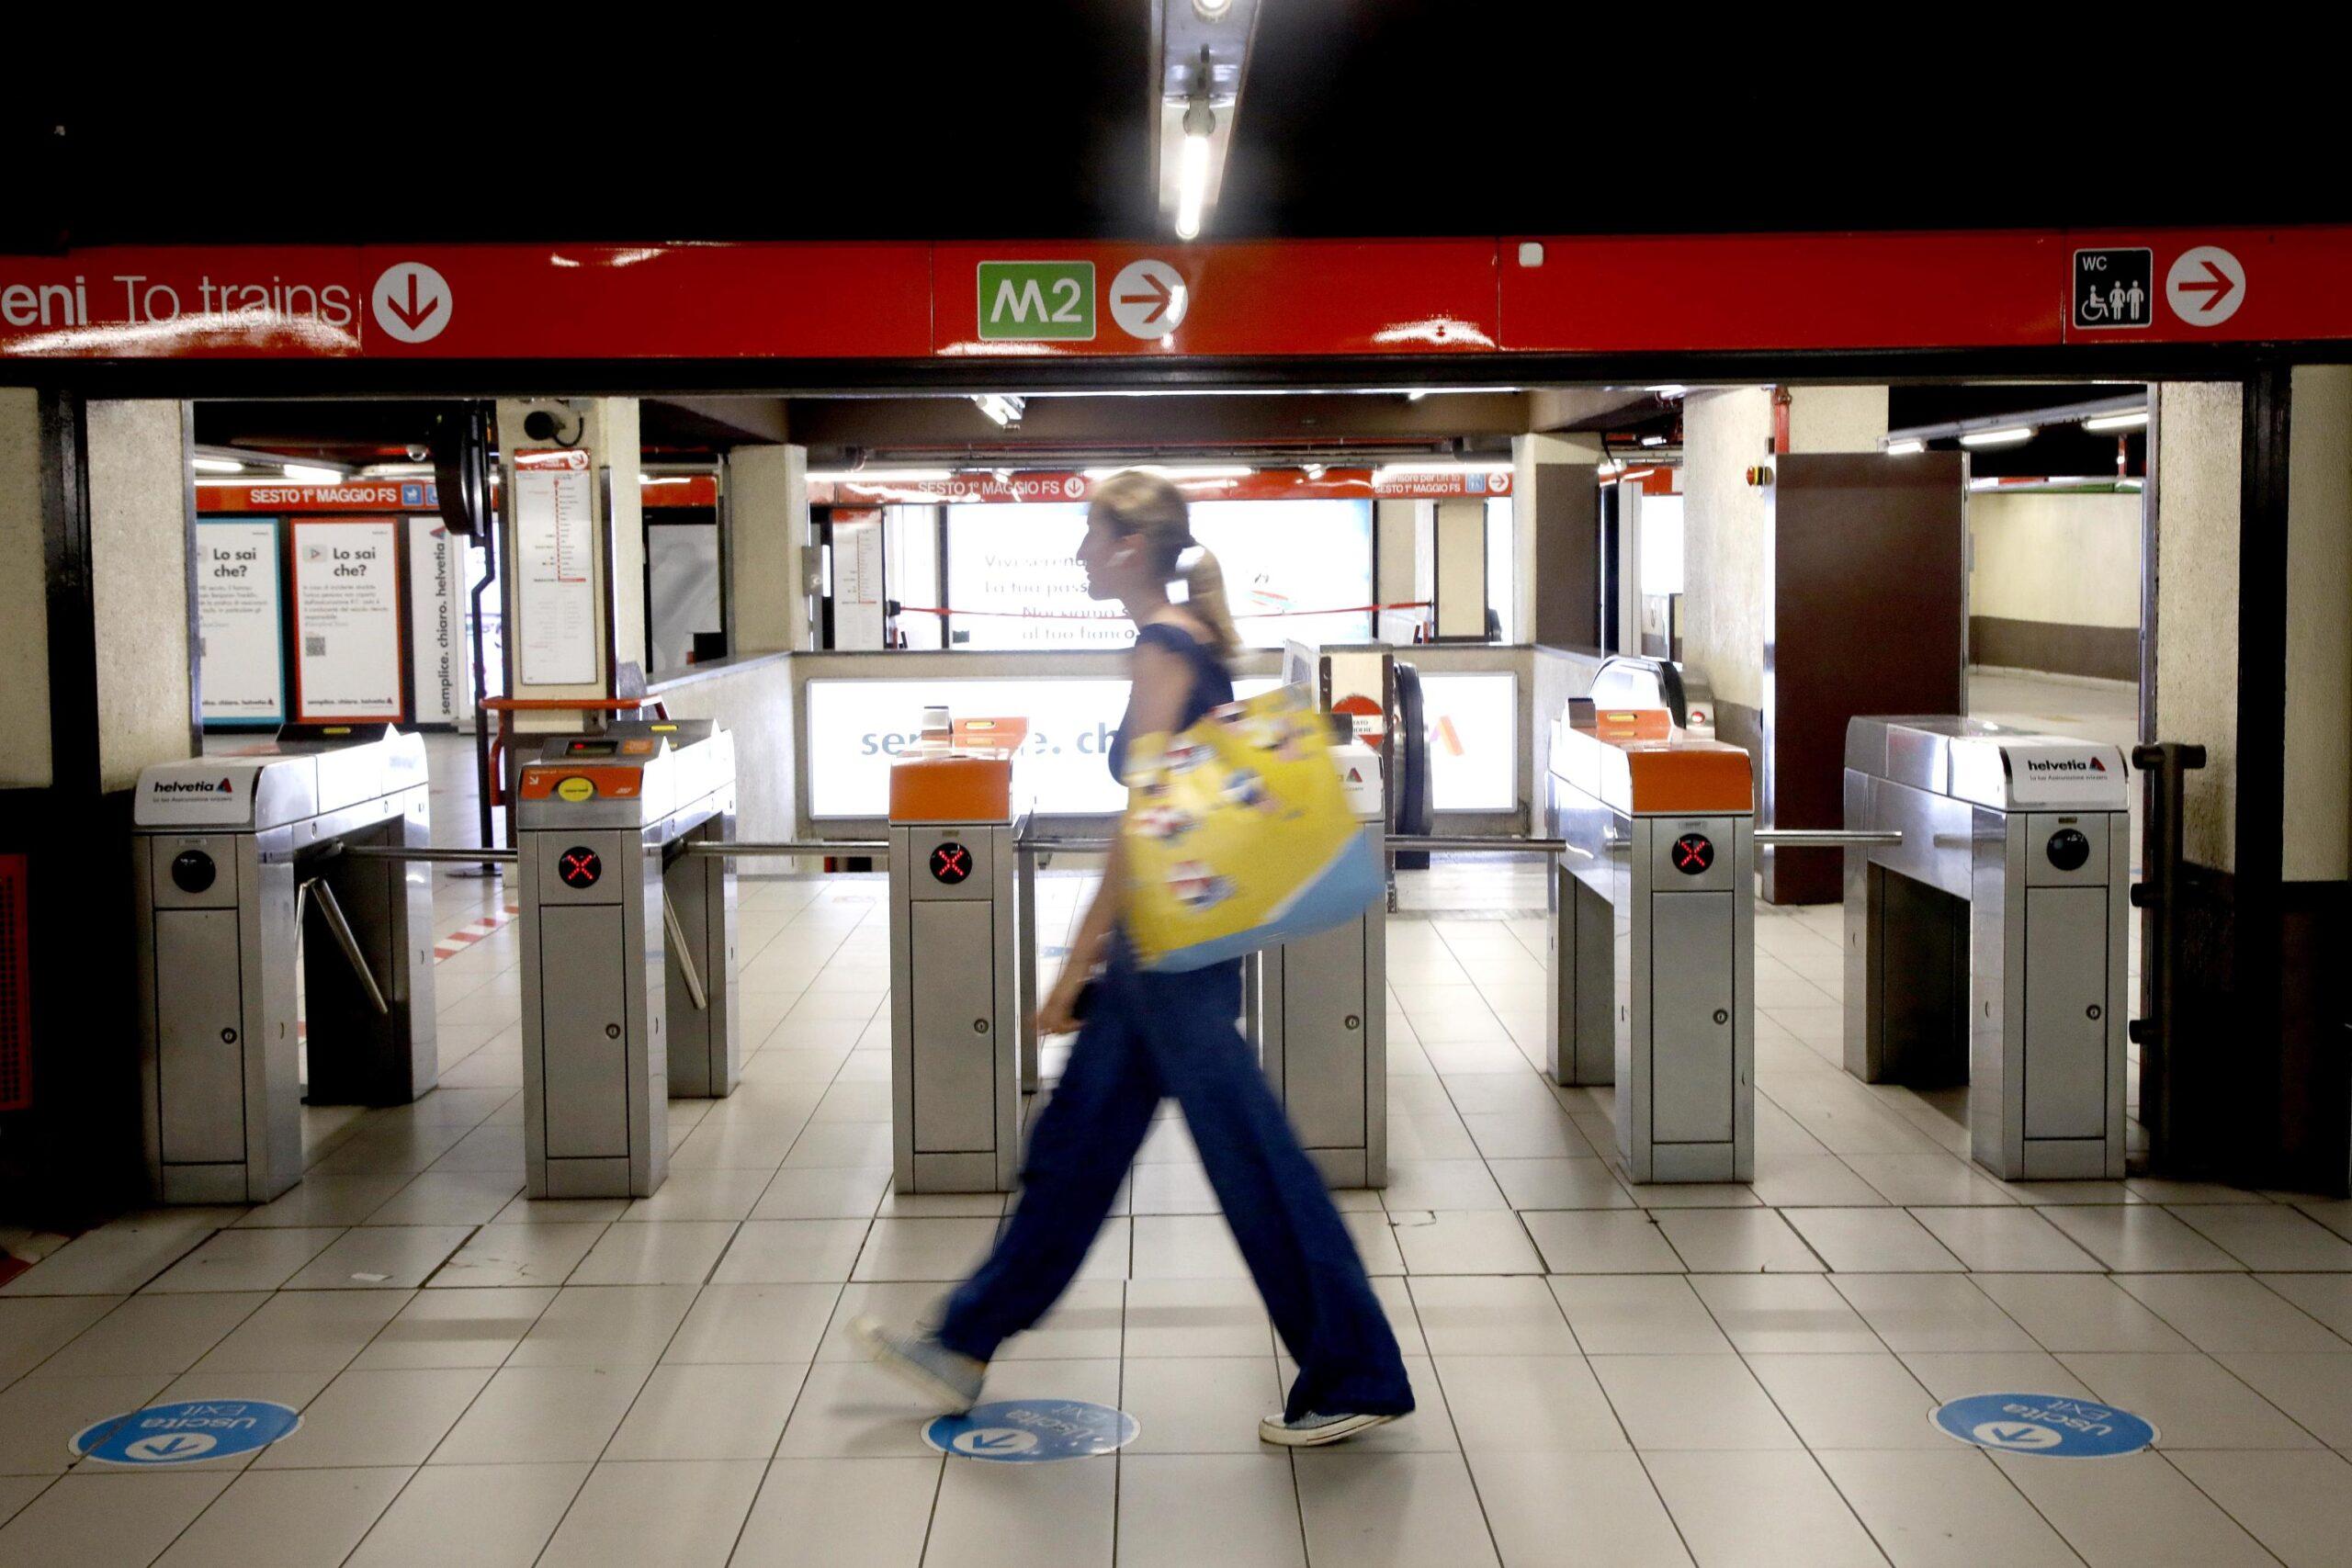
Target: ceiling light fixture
(217,465)
(1174,475)
(1906,448)
(1211,10)
(2135,420)
(307,474)
(1653,440)
(1003,407)
(1193,169)
(880,475)
(2009,436)
(1671,390)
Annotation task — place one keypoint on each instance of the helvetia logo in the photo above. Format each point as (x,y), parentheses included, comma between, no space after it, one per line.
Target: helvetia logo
(2064,765)
(191,787)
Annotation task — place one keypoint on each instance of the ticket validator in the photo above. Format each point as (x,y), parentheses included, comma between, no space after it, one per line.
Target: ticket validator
(955,993)
(1652,957)
(1988,946)
(236,872)
(1321,1010)
(629,948)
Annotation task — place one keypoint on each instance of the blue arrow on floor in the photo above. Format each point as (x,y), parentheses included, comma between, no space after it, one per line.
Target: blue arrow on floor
(1006,1441)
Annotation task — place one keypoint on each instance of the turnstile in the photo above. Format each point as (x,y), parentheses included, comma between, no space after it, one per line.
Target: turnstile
(954,995)
(1987,947)
(235,870)
(1652,955)
(1321,1015)
(628,950)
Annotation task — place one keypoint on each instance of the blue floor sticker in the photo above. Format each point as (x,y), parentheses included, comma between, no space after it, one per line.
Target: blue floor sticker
(2054,1425)
(1033,1431)
(186,1432)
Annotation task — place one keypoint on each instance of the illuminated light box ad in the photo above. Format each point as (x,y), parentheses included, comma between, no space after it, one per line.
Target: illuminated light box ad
(1013,570)
(856,728)
(348,657)
(241,653)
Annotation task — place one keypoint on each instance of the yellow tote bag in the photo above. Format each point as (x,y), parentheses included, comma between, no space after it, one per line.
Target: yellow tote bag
(1237,835)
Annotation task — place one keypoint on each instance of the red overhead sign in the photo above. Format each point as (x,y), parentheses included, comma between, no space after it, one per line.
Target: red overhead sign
(1011,304)
(360,495)
(1268,484)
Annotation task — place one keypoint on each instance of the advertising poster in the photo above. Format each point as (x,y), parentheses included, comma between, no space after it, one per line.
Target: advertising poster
(1473,719)
(1013,570)
(347,644)
(241,653)
(440,572)
(555,568)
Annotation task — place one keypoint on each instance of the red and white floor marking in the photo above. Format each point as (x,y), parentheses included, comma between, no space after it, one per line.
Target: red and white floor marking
(472,932)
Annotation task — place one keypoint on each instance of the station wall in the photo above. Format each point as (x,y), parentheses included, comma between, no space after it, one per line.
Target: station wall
(24,597)
(2055,582)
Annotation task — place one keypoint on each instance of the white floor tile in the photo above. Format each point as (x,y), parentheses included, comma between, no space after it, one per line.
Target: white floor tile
(2232,1312)
(1692,1401)
(2316,1391)
(686,1513)
(1528,1404)
(1195,1317)
(492,1515)
(164,1334)
(1736,1241)
(870,1512)
(2138,1238)
(1501,1315)
(1182,1510)
(377,1419)
(2132,1512)
(708,1412)
(752,1323)
(1755,1509)
(380,1257)
(1930,1312)
(305,1330)
(542,1414)
(1016,1516)
(290,1518)
(1866,1400)
(245,1261)
(943,1251)
(1617,1315)
(533,1253)
(1764,1313)
(1199,1404)
(1402,1510)
(456,1329)
(121,1255)
(106,1518)
(775,1252)
(1599,1511)
(1871,1241)
(820,1193)
(2297,1504)
(40,1416)
(1943,1508)
(2268,1236)
(605,1325)
(2193,1401)
(1559,1184)
(1463,1242)
(2066,1312)
(1601,1241)
(667,1252)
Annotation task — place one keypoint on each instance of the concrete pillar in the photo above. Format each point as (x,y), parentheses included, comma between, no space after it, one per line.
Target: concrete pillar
(2318,756)
(141,501)
(1397,578)
(94,595)
(1836,419)
(766,549)
(1726,548)
(25,762)
(607,429)
(1555,524)
(2193,453)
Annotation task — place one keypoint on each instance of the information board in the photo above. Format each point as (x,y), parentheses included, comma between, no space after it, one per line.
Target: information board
(239,602)
(347,642)
(555,568)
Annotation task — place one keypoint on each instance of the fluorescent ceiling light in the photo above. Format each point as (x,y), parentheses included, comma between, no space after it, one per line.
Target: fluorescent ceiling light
(1653,440)
(2131,421)
(1671,390)
(1211,10)
(1173,474)
(882,476)
(1193,169)
(1004,408)
(217,465)
(1909,448)
(663,479)
(2008,436)
(305,474)
(1401,470)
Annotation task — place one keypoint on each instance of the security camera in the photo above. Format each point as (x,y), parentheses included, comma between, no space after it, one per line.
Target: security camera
(419,454)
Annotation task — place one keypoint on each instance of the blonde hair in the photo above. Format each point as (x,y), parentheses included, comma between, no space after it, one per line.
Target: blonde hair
(1145,504)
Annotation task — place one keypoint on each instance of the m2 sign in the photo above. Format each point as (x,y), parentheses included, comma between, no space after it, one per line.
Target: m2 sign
(1035,301)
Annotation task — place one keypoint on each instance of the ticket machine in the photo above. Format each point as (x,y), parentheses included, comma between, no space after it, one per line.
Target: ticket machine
(1652,957)
(237,873)
(629,948)
(954,994)
(1987,946)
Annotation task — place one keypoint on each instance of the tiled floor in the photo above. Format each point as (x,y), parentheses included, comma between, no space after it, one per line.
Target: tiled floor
(1608,1374)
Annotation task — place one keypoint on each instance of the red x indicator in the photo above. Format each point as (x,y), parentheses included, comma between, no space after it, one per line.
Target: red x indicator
(951,862)
(1693,853)
(579,867)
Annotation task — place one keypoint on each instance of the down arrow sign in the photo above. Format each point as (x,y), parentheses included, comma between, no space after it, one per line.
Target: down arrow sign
(415,315)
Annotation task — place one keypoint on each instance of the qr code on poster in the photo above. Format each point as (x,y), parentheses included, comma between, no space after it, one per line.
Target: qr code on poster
(314,648)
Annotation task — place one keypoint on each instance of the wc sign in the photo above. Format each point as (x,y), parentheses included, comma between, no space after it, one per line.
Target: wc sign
(2115,288)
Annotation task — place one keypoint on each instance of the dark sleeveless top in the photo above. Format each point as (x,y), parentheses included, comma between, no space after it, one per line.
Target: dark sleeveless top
(1212,686)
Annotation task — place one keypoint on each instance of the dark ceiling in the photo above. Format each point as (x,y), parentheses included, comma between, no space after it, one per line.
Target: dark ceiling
(1359,117)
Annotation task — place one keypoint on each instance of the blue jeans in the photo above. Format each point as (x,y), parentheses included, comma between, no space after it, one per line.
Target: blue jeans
(1154,1034)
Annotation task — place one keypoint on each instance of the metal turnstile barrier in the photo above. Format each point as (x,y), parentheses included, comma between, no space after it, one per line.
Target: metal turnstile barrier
(956,1017)
(1322,1007)
(1987,946)
(237,868)
(1652,952)
(629,948)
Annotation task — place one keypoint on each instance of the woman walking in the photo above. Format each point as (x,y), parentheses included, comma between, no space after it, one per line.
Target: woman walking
(1148,1034)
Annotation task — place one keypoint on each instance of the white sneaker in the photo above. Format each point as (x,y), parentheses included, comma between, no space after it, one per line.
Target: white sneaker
(923,1364)
(1313,1429)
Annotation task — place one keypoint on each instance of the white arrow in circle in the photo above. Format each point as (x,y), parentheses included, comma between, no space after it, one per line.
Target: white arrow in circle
(1149,299)
(411,302)
(2023,1435)
(2205,286)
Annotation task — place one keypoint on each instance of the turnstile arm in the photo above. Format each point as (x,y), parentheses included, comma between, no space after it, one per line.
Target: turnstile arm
(683,952)
(1826,838)
(332,911)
